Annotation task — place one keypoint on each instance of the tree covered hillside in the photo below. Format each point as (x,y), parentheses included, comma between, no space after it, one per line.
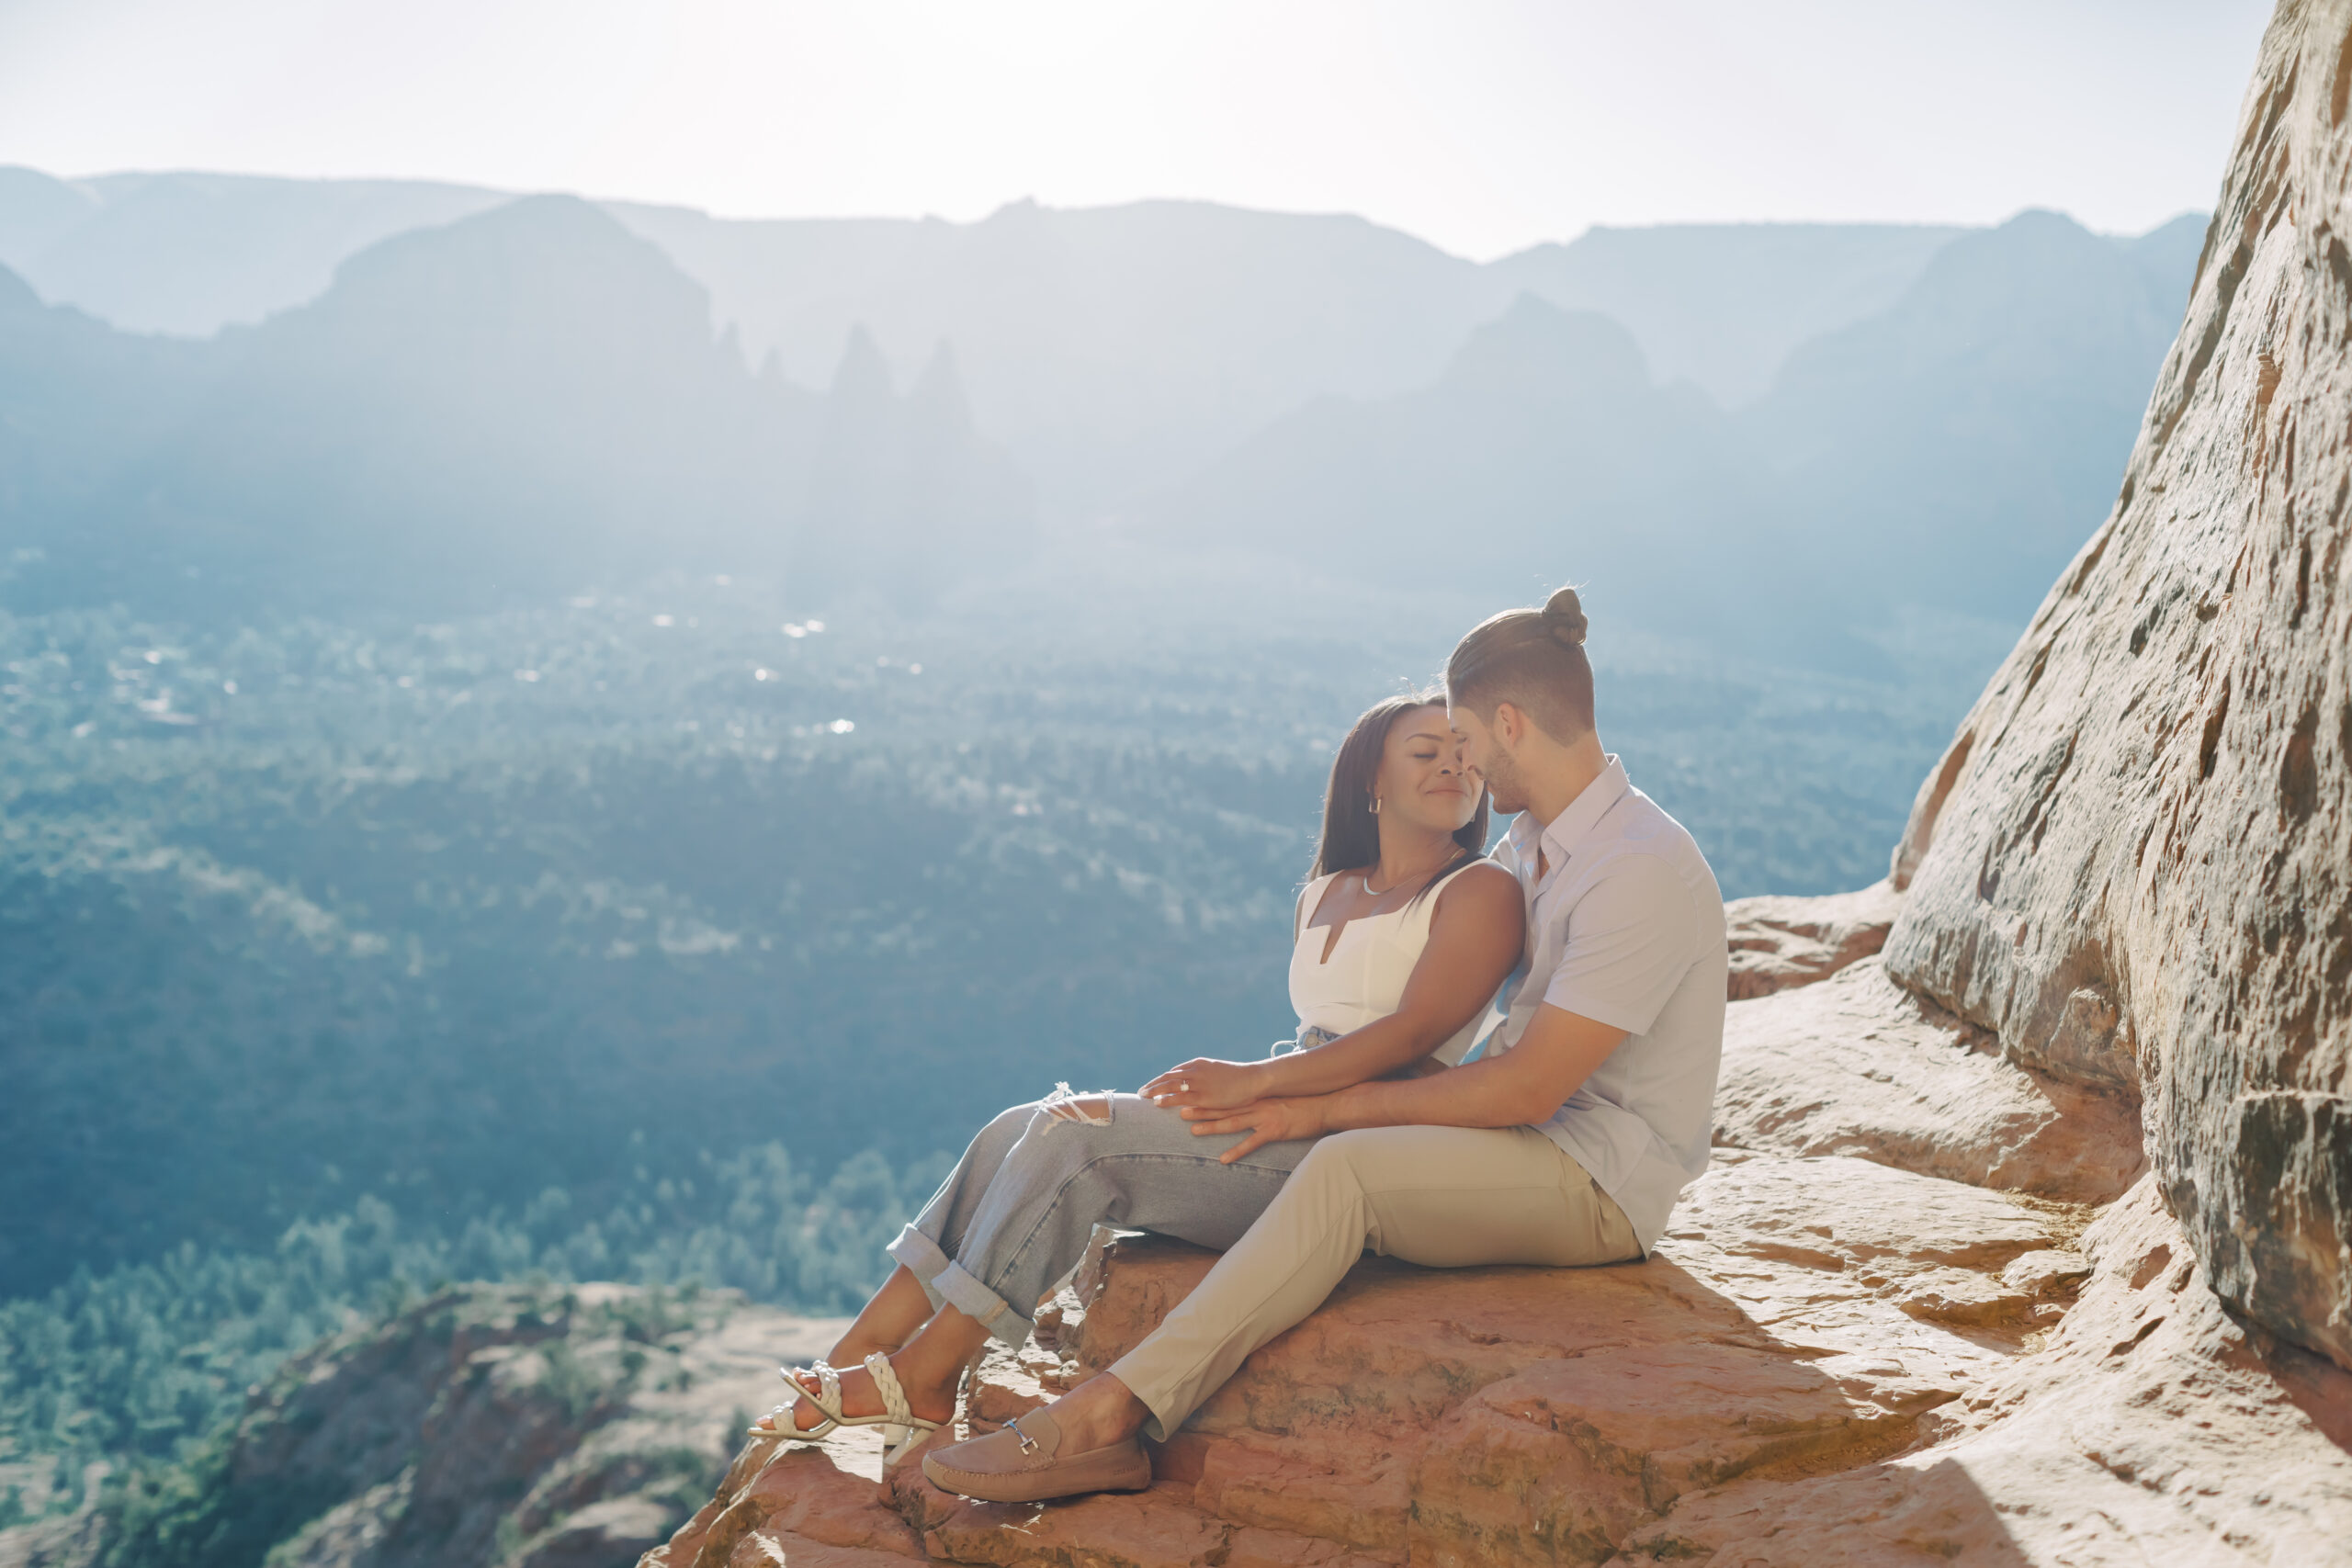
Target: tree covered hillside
(449,913)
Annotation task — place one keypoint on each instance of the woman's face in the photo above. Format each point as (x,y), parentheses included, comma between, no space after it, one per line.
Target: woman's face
(1422,775)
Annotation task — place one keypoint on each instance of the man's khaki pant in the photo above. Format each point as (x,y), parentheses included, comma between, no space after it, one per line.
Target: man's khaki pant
(1444,1197)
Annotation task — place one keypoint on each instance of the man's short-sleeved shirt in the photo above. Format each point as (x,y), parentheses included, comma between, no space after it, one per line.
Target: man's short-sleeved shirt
(1625,926)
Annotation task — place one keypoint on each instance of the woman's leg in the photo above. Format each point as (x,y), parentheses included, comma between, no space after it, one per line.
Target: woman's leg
(1444,1197)
(890,1318)
(931,1240)
(906,1301)
(1146,1170)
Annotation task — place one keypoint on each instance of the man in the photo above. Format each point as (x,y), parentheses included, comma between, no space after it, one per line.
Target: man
(1565,1141)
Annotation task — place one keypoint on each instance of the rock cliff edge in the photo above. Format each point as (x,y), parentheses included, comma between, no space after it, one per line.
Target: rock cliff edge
(2134,865)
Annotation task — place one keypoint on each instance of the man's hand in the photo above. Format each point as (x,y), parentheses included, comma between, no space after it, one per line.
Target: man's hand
(1517,1088)
(1266,1121)
(1206,1083)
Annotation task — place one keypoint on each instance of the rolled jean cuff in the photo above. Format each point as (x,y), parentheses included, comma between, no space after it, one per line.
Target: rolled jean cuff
(923,1258)
(969,1296)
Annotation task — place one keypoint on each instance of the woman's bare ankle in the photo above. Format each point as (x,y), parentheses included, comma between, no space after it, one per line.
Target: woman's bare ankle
(930,1378)
(854,1347)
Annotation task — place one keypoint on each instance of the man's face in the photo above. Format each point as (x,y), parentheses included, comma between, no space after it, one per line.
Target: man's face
(1490,755)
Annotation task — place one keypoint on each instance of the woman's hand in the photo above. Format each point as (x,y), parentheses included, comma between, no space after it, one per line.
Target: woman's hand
(1204,1083)
(1266,1122)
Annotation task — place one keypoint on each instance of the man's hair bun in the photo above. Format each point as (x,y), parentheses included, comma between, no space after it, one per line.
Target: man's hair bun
(1564,616)
(1531,658)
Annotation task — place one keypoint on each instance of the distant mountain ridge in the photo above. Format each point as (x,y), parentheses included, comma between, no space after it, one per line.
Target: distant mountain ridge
(1110,349)
(240,247)
(1969,439)
(1723,305)
(1739,431)
(1544,442)
(1951,451)
(524,402)
(189,253)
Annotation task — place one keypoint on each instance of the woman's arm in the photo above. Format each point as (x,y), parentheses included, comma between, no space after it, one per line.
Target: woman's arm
(1521,1087)
(1475,935)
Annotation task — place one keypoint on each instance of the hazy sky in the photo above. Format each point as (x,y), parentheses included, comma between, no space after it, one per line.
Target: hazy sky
(1483,125)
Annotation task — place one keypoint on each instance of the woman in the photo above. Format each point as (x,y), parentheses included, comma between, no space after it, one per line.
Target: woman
(1402,936)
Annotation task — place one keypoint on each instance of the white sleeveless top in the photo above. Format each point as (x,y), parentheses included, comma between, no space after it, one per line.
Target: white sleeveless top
(1365,978)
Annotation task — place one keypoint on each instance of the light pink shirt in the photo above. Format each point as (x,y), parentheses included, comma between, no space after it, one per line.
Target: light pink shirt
(1627,928)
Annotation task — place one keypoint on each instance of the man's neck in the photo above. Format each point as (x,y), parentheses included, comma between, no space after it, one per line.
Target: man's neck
(1553,785)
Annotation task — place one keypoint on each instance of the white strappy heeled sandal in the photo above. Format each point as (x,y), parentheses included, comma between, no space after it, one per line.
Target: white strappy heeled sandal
(902,1427)
(827,1398)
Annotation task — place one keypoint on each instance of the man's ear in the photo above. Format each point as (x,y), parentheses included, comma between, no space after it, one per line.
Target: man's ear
(1508,726)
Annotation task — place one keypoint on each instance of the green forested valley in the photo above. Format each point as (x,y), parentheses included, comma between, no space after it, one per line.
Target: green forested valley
(659,936)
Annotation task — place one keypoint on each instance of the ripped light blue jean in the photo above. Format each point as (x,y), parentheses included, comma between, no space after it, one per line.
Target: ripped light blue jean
(1015,1214)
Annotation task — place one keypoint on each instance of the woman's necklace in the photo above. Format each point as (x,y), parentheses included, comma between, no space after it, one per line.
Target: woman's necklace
(1364,878)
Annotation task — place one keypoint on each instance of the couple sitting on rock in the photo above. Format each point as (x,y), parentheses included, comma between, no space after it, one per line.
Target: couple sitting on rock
(1560,1136)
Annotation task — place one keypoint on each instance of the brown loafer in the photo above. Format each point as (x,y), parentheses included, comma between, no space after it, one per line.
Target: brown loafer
(1023,1463)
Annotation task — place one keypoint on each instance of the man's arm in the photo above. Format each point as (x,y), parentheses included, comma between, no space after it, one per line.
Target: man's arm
(1523,1085)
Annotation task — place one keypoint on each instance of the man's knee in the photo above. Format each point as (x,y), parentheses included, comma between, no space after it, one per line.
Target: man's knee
(1338,1161)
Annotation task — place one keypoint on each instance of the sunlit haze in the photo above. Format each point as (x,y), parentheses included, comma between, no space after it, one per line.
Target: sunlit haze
(1482,125)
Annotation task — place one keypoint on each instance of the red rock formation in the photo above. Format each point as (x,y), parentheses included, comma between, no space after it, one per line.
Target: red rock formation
(1778,943)
(1858,1065)
(2134,867)
(1831,1361)
(2152,1427)
(533,1427)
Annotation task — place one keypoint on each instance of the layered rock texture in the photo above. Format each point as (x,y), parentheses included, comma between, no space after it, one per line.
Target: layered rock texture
(1777,943)
(2029,1239)
(497,1425)
(526,1428)
(1858,1065)
(1829,1361)
(2134,866)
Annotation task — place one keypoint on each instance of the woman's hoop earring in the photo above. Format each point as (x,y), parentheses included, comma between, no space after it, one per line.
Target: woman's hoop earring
(1375,806)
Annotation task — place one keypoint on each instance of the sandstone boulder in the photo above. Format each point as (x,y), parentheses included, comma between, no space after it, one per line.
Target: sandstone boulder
(1780,942)
(2153,1427)
(1827,1357)
(551,1428)
(1857,1066)
(2134,865)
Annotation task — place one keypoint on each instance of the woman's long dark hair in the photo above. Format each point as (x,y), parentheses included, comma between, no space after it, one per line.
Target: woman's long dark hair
(1351,832)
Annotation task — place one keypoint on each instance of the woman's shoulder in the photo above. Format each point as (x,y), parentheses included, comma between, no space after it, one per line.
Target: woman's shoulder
(1310,897)
(1482,885)
(1486,871)
(1311,894)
